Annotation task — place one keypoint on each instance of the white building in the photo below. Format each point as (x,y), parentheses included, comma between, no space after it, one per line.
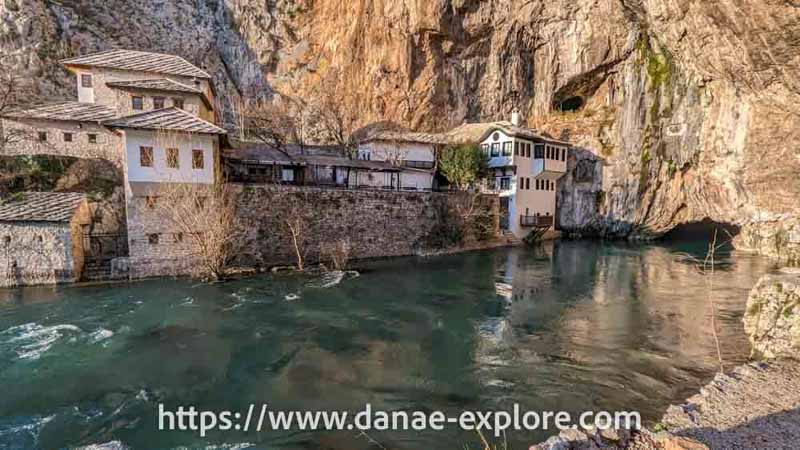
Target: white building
(151,114)
(414,153)
(526,167)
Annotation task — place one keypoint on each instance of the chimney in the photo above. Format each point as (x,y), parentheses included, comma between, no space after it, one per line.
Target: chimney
(515,118)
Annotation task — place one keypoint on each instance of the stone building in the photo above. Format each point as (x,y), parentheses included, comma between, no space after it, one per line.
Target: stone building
(151,114)
(42,238)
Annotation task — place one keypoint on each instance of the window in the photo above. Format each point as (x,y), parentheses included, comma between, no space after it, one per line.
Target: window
(67,137)
(86,80)
(485,148)
(177,102)
(137,103)
(158,102)
(507,148)
(538,151)
(564,154)
(42,136)
(92,138)
(528,149)
(505,183)
(538,185)
(287,175)
(173,158)
(516,148)
(197,159)
(146,156)
(152,239)
(495,150)
(151,201)
(528,184)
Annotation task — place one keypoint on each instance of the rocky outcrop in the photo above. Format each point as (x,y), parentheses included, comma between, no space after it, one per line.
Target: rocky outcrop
(756,406)
(689,109)
(772,319)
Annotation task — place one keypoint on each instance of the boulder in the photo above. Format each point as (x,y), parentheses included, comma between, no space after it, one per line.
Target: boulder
(772,319)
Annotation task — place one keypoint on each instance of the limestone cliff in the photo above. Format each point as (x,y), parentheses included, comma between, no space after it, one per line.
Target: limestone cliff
(685,110)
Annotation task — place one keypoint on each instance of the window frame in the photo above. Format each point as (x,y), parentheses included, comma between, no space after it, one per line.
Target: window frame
(178,102)
(508,149)
(67,136)
(91,138)
(153,238)
(41,136)
(137,100)
(172,156)
(495,150)
(505,183)
(146,156)
(161,100)
(84,84)
(202,159)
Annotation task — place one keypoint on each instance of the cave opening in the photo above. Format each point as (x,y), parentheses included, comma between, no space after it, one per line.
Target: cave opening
(571,104)
(703,231)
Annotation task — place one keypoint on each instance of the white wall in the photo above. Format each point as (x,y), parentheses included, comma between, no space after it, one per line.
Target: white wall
(400,151)
(85,95)
(416,179)
(134,139)
(502,138)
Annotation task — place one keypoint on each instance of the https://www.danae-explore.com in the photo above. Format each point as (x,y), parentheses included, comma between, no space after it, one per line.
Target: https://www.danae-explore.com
(261,418)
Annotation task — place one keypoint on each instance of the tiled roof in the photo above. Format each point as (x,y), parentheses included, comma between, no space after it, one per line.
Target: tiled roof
(139,61)
(406,136)
(259,154)
(478,132)
(40,207)
(314,155)
(160,84)
(171,119)
(68,111)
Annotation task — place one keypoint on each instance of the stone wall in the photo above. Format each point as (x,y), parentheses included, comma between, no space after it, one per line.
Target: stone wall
(372,223)
(108,145)
(156,246)
(35,253)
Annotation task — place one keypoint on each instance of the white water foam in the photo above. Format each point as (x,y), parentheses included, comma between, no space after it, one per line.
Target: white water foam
(113,445)
(33,340)
(100,335)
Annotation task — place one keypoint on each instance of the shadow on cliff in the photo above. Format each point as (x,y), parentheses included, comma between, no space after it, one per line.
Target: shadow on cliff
(779,430)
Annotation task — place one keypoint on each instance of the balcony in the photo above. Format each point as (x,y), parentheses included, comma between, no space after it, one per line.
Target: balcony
(536,221)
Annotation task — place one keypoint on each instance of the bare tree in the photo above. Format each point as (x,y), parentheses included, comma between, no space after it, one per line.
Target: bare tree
(206,224)
(278,123)
(337,113)
(11,94)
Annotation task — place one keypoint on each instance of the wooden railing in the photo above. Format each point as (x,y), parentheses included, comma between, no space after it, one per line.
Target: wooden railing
(536,221)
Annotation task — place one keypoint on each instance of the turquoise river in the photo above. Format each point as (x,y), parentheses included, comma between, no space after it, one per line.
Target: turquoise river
(572,326)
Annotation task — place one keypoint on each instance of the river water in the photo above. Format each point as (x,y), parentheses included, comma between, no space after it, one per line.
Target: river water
(569,326)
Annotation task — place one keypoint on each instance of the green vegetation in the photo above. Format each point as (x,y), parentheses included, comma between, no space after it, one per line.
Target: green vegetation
(463,165)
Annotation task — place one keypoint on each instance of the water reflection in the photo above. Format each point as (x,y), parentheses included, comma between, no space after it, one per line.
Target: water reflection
(571,325)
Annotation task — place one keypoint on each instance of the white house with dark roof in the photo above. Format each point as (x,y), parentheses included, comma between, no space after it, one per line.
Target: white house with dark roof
(415,153)
(152,114)
(525,167)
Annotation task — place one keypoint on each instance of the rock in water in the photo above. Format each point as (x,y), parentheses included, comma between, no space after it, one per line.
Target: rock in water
(772,319)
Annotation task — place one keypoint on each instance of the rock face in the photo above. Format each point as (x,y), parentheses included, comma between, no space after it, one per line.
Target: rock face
(772,320)
(689,110)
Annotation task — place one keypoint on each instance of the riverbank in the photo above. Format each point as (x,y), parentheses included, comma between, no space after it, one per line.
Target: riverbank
(755,406)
